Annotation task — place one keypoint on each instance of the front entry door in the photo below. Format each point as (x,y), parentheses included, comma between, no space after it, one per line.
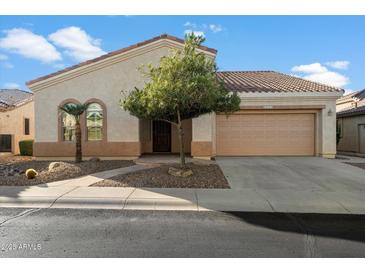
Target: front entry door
(161,136)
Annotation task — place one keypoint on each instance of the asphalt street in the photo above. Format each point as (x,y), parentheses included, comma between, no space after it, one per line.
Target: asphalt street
(122,233)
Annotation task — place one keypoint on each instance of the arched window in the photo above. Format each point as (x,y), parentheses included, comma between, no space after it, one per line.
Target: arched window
(68,126)
(94,122)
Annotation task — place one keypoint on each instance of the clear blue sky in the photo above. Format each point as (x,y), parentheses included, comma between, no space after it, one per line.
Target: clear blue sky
(330,49)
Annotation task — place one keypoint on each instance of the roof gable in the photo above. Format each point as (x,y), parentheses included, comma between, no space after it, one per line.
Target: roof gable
(118,52)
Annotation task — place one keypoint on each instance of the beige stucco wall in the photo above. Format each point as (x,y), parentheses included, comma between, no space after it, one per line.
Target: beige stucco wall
(349,141)
(344,105)
(204,126)
(103,80)
(104,84)
(12,122)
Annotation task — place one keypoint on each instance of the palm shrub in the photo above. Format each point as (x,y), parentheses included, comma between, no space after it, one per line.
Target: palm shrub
(76,110)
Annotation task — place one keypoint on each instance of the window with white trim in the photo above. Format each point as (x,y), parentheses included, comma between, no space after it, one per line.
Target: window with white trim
(68,126)
(94,122)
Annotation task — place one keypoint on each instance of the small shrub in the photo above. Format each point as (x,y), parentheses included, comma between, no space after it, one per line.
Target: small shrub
(26,147)
(31,173)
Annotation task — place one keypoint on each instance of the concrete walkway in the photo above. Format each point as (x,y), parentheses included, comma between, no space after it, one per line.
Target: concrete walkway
(97,177)
(76,193)
(181,199)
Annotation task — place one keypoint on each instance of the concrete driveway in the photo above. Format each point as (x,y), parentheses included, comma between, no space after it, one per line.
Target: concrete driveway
(298,184)
(292,173)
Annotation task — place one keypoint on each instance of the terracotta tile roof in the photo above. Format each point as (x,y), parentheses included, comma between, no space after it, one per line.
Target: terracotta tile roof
(10,98)
(163,36)
(269,81)
(351,112)
(358,95)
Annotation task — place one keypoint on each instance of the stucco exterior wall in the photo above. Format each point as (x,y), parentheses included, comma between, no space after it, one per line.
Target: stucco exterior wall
(345,105)
(106,85)
(350,134)
(203,136)
(103,80)
(12,122)
(324,103)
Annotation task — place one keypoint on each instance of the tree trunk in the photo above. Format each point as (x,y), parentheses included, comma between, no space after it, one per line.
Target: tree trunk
(181,141)
(78,157)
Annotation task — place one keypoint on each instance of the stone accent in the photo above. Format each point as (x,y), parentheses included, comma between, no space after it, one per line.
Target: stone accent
(180,172)
(54,165)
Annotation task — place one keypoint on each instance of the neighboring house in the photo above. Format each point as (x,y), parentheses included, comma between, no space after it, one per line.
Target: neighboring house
(280,114)
(16,118)
(351,122)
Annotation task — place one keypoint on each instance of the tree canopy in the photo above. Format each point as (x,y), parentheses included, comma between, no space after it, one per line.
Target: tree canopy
(183,86)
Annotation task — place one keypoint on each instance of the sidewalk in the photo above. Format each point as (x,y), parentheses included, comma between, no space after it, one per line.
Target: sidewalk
(181,199)
(76,193)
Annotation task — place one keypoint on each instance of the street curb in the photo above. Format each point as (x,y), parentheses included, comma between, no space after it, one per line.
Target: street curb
(139,204)
(100,203)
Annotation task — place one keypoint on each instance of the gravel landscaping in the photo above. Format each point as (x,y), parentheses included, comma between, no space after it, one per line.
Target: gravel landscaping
(12,170)
(204,176)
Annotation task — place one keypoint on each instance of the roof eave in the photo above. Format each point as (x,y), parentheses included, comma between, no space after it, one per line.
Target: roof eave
(343,115)
(33,83)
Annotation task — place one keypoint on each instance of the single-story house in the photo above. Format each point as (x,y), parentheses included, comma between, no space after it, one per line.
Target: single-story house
(351,122)
(16,118)
(280,114)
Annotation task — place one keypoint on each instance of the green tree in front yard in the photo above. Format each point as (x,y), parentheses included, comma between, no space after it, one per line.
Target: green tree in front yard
(183,86)
(76,110)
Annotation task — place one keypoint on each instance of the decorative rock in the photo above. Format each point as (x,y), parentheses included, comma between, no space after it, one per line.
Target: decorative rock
(94,159)
(54,165)
(31,173)
(180,172)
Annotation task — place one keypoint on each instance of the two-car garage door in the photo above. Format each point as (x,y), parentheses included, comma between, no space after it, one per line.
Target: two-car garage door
(266,134)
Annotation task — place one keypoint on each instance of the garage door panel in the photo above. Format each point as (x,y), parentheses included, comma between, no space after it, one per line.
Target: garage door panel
(265,134)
